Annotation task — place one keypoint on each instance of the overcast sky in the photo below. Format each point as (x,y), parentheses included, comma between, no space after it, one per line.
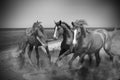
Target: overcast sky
(23,13)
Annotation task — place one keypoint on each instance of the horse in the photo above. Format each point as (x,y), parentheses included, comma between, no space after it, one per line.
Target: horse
(62,28)
(35,37)
(71,49)
(88,42)
(112,44)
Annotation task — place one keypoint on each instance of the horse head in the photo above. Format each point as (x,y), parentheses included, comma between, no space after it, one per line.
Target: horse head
(58,30)
(62,28)
(39,32)
(79,30)
(38,26)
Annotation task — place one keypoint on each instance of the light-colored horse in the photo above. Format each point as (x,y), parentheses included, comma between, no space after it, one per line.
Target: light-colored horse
(112,45)
(89,43)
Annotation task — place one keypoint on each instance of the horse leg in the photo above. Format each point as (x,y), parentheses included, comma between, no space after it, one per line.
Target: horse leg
(37,56)
(61,52)
(107,47)
(64,54)
(73,58)
(48,53)
(81,60)
(109,53)
(21,56)
(90,59)
(29,53)
(98,59)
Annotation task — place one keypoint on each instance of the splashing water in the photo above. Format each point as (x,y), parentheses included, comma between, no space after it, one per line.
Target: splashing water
(106,70)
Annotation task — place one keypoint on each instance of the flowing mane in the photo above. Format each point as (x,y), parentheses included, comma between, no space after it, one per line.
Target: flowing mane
(66,25)
(39,26)
(80,23)
(83,30)
(41,29)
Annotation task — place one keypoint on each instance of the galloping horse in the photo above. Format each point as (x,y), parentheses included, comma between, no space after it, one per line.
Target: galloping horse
(65,30)
(36,37)
(112,45)
(89,43)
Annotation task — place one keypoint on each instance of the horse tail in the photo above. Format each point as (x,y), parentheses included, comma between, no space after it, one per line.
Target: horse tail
(104,35)
(107,43)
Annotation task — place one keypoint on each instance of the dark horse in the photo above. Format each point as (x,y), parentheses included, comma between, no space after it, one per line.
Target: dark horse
(86,42)
(65,30)
(35,37)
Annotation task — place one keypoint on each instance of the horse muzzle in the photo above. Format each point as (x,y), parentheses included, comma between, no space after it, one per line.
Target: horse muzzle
(55,38)
(74,42)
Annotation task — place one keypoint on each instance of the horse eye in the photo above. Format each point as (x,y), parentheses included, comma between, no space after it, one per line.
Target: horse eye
(58,27)
(79,32)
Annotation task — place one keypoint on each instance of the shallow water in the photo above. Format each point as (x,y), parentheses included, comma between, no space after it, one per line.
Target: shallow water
(10,67)
(106,70)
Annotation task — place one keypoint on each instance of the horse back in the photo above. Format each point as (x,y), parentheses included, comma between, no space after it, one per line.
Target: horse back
(94,40)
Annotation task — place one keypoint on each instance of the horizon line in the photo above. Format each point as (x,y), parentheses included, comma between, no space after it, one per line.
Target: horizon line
(49,27)
(108,28)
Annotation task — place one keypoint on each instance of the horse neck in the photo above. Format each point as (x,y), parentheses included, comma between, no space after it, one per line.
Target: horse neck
(83,37)
(44,34)
(67,33)
(41,35)
(83,31)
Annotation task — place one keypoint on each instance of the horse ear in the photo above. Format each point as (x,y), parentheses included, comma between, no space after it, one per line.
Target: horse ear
(60,21)
(72,24)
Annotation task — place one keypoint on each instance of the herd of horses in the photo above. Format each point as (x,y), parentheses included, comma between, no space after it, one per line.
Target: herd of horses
(77,40)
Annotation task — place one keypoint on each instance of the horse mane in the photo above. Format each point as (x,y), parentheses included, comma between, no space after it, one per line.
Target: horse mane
(83,30)
(67,25)
(42,30)
(40,27)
